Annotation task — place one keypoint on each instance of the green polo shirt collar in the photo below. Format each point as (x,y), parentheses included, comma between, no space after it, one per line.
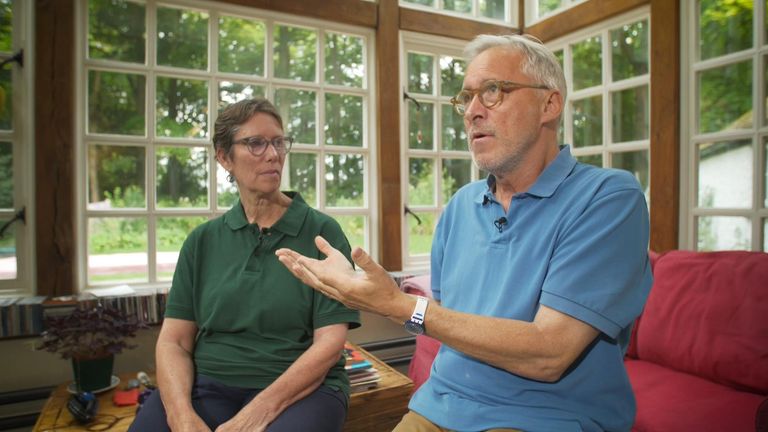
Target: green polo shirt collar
(290,223)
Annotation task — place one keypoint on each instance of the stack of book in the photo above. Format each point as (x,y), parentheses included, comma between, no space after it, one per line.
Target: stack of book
(25,316)
(362,375)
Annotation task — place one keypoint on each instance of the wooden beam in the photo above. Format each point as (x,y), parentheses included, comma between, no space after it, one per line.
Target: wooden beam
(55,146)
(665,124)
(580,16)
(354,12)
(448,26)
(388,96)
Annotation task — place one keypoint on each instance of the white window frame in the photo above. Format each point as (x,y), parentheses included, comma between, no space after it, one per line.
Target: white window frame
(510,11)
(22,137)
(436,46)
(151,142)
(532,10)
(757,214)
(605,90)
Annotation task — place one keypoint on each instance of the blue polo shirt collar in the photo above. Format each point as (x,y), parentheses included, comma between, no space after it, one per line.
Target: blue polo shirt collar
(289,224)
(547,183)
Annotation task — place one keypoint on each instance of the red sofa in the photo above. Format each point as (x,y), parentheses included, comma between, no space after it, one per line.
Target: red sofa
(698,356)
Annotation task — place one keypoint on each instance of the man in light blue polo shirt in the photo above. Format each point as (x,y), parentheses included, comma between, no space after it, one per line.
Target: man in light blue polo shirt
(537,272)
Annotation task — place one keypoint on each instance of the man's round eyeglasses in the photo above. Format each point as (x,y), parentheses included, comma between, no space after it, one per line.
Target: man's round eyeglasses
(258,145)
(491,93)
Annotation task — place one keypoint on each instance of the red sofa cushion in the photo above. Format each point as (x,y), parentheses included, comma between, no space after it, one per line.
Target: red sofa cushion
(421,362)
(707,314)
(668,400)
(632,347)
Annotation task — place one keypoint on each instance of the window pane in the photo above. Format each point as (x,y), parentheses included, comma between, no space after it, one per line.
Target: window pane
(560,56)
(456,173)
(629,47)
(226,192)
(6,105)
(241,46)
(182,108)
(715,233)
(116,103)
(302,169)
(182,177)
(6,26)
(420,126)
(765,172)
(451,75)
(343,120)
(297,108)
(421,181)
(117,250)
(463,6)
(765,225)
(587,121)
(492,9)
(182,38)
(587,63)
(344,63)
(171,232)
(725,97)
(420,234)
(420,77)
(631,114)
(594,160)
(116,177)
(295,53)
(635,162)
(421,2)
(116,30)
(547,6)
(454,136)
(717,190)
(354,229)
(8,266)
(724,27)
(231,92)
(344,180)
(6,175)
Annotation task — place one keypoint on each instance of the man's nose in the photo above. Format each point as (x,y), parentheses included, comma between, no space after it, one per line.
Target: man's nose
(474,108)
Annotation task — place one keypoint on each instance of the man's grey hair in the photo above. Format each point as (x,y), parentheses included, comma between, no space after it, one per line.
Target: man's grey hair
(538,61)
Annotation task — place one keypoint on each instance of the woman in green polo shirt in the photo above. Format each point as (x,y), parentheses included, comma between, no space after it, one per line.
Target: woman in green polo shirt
(245,346)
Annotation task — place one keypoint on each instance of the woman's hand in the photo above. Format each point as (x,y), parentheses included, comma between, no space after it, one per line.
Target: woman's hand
(248,419)
(373,290)
(190,423)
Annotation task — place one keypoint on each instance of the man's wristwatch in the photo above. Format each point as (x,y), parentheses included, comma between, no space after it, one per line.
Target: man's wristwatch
(415,325)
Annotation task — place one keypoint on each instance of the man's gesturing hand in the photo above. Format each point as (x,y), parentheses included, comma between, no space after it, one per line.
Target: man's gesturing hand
(372,290)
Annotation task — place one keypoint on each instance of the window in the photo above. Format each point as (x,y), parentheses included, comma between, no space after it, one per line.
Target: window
(725,125)
(16,166)
(484,10)
(607,113)
(155,75)
(436,160)
(536,10)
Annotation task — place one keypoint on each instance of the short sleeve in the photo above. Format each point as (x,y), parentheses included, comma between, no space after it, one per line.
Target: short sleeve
(179,303)
(599,272)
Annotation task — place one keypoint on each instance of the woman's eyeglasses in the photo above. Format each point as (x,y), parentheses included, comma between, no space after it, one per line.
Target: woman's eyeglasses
(258,145)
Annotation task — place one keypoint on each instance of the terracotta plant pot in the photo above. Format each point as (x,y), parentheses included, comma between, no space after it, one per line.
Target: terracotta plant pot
(93,374)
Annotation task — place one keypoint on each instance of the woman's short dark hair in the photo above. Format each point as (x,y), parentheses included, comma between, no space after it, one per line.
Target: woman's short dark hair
(233,116)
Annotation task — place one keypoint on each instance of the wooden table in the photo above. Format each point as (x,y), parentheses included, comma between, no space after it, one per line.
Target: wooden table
(378,409)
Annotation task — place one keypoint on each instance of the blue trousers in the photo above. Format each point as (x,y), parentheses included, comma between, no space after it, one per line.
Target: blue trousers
(324,410)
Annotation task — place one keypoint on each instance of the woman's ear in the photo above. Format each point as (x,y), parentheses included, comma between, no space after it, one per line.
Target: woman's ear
(224,159)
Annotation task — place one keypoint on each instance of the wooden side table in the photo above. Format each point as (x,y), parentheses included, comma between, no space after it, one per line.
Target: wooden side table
(374,410)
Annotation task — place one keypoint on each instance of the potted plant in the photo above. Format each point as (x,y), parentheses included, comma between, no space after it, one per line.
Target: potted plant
(90,338)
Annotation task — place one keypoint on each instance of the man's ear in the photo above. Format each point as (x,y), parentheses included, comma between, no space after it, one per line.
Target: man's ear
(553,106)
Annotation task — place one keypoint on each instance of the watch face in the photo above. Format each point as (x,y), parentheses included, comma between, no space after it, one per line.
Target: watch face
(414,328)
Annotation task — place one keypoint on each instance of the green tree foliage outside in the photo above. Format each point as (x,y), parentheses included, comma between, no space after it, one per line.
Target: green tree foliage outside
(116,30)
(6,26)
